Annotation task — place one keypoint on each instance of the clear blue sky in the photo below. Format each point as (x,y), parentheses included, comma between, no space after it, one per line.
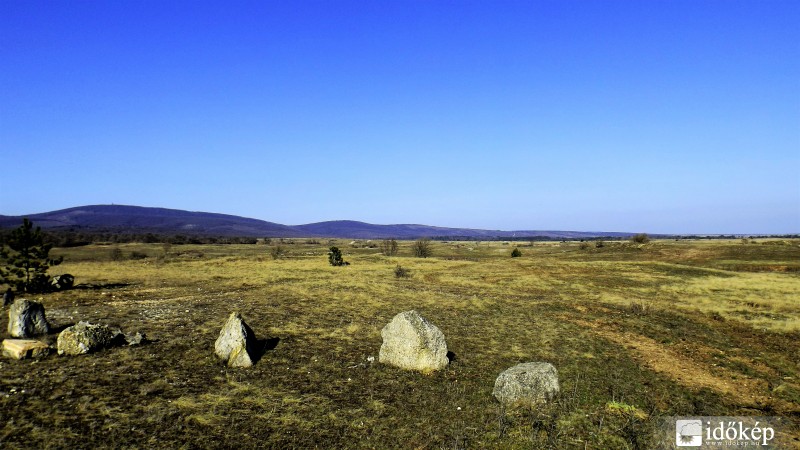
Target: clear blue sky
(656,116)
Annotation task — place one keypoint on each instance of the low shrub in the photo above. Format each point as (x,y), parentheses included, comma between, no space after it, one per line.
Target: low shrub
(639,308)
(116,254)
(277,251)
(138,255)
(401,272)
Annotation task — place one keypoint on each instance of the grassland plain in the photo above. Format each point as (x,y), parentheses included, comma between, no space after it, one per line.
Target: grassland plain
(635,331)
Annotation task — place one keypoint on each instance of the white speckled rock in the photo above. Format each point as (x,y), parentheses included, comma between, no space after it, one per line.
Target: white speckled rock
(411,342)
(235,342)
(527,384)
(86,338)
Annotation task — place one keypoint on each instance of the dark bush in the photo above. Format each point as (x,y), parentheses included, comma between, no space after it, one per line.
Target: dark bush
(641,238)
(516,253)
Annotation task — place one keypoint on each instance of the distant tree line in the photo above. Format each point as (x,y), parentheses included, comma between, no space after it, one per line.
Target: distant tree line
(58,238)
(77,238)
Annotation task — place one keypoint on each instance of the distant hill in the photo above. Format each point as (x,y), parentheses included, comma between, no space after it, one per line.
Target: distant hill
(137,219)
(361,230)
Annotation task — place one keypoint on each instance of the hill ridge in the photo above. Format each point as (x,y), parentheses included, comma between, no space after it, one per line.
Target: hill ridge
(141,219)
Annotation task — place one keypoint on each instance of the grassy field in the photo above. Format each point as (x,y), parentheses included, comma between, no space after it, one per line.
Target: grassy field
(636,332)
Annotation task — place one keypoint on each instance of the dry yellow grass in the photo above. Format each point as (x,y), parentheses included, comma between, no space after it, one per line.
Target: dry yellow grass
(595,313)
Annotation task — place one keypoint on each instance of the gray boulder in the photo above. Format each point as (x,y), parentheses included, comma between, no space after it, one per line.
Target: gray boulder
(87,338)
(26,319)
(527,384)
(236,342)
(411,342)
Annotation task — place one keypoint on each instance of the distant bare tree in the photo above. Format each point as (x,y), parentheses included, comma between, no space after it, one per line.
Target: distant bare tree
(389,247)
(422,248)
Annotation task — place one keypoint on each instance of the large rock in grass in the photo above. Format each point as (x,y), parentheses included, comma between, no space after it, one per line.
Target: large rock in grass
(236,342)
(26,319)
(411,342)
(527,384)
(87,338)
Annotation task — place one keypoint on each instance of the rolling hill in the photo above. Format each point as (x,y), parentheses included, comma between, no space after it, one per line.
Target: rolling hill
(138,219)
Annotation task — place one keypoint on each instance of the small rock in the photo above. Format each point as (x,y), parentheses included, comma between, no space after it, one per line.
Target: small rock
(527,384)
(236,342)
(136,339)
(26,319)
(25,348)
(411,342)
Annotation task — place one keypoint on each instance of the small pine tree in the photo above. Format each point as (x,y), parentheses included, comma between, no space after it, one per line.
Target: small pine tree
(335,257)
(516,253)
(27,260)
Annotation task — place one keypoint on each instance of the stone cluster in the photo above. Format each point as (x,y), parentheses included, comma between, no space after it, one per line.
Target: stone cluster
(410,342)
(27,320)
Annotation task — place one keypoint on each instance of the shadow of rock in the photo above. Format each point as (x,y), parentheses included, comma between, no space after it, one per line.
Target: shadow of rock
(262,346)
(97,287)
(56,329)
(451,357)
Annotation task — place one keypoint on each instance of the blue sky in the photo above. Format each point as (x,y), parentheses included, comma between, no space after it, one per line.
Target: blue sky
(662,116)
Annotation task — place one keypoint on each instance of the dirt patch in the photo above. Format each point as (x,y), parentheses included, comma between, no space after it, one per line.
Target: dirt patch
(681,368)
